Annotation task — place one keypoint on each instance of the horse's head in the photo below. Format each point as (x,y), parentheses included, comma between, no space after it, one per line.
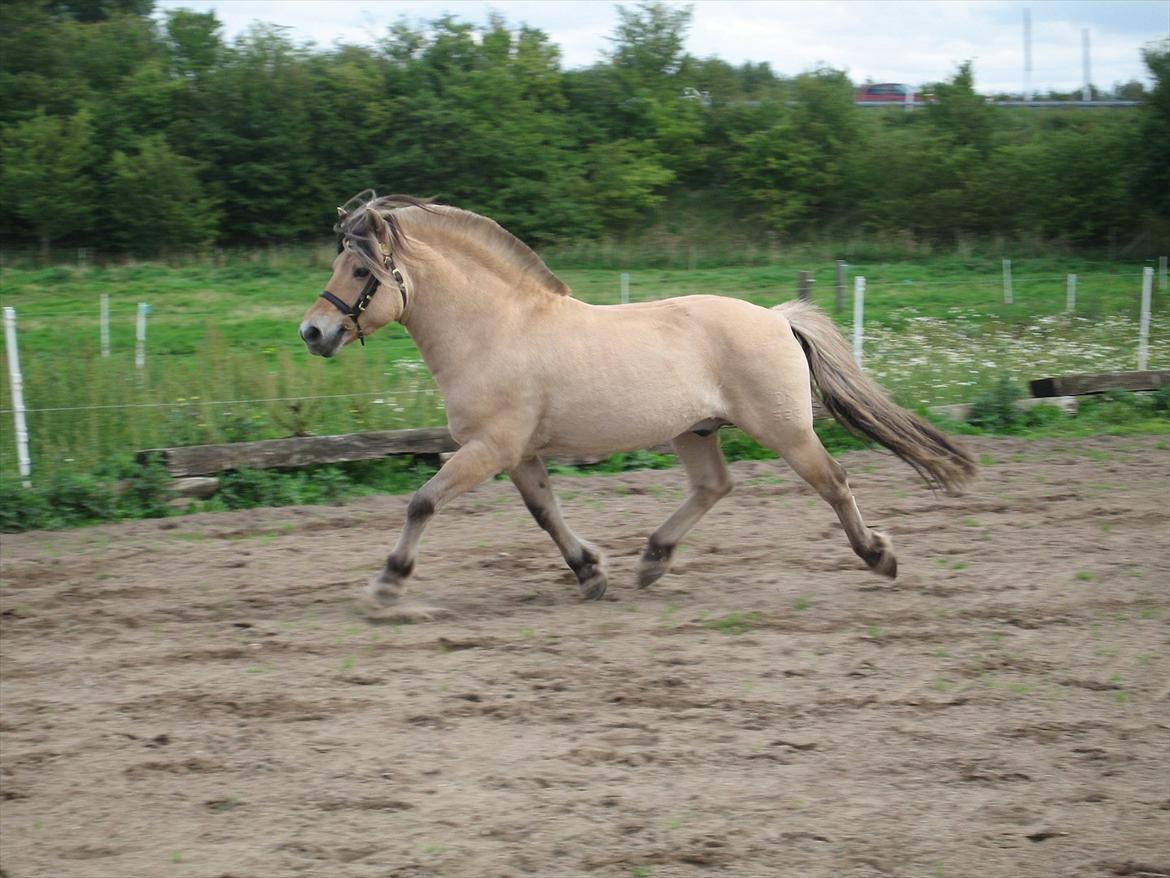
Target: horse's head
(366,291)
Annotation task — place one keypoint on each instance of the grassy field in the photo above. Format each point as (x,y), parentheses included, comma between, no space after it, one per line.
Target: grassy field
(224,362)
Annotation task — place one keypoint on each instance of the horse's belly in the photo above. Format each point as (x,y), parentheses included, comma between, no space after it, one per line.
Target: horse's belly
(605,429)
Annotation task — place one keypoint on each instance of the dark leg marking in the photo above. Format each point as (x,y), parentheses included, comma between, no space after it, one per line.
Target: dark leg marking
(880,556)
(399,569)
(656,551)
(655,562)
(589,574)
(541,514)
(420,507)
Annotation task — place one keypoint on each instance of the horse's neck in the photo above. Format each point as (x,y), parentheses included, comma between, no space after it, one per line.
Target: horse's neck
(461,313)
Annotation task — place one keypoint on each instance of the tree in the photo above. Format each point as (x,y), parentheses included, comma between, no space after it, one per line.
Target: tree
(1153,146)
(829,123)
(195,42)
(88,11)
(46,176)
(770,169)
(649,46)
(960,115)
(255,140)
(651,74)
(156,201)
(478,119)
(626,181)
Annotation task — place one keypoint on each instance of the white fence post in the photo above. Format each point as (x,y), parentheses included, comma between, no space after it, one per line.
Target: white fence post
(625,288)
(1071,294)
(858,310)
(105,324)
(17,380)
(140,350)
(1007,281)
(1144,326)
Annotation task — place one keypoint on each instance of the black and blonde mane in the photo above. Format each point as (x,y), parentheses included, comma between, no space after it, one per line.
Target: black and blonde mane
(354,231)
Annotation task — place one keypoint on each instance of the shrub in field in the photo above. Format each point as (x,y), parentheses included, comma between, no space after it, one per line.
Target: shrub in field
(249,488)
(69,499)
(995,409)
(146,489)
(22,508)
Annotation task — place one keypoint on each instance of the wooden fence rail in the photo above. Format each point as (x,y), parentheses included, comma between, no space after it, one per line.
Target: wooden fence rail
(205,460)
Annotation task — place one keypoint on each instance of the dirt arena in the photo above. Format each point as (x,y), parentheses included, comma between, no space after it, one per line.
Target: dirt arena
(201,696)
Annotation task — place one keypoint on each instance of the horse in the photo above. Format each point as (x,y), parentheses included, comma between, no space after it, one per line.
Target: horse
(527,371)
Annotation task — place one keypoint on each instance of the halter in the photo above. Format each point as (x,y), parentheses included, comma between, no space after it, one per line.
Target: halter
(354,311)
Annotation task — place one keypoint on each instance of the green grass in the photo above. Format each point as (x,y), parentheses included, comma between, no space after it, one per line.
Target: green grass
(735,623)
(219,334)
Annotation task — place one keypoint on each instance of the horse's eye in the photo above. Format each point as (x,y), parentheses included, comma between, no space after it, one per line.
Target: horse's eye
(361,272)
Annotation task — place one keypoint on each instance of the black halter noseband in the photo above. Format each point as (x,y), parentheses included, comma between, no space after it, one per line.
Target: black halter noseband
(354,311)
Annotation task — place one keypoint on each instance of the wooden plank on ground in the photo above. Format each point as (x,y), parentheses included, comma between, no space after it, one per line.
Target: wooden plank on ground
(1077,385)
(202,460)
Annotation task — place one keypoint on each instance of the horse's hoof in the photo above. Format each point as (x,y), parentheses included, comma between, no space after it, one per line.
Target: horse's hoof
(648,575)
(880,557)
(655,564)
(383,591)
(593,584)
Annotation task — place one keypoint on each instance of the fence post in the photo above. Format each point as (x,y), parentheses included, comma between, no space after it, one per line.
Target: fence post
(17,381)
(858,309)
(105,324)
(1144,326)
(806,284)
(1071,293)
(140,350)
(840,285)
(625,288)
(1007,281)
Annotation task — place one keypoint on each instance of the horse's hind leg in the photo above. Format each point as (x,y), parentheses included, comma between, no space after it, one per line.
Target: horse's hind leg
(710,481)
(585,560)
(804,452)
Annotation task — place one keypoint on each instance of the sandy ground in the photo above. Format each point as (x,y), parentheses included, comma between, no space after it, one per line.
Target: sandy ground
(201,696)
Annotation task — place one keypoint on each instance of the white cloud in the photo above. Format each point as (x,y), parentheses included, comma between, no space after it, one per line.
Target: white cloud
(912,41)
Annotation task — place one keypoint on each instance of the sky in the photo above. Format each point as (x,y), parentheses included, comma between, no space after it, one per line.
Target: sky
(910,41)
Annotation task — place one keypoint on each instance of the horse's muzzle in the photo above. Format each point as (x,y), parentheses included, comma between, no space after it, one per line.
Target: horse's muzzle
(321,343)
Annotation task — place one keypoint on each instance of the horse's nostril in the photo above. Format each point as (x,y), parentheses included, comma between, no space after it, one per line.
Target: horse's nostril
(310,333)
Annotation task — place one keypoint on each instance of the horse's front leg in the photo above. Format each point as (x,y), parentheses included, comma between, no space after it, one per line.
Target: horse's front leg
(472,464)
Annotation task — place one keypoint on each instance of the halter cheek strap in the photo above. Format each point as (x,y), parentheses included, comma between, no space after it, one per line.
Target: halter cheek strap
(354,311)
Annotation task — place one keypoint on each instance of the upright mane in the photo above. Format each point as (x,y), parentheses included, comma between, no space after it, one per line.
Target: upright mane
(354,229)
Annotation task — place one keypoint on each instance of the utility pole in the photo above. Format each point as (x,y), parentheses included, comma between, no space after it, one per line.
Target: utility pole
(1027,54)
(1087,90)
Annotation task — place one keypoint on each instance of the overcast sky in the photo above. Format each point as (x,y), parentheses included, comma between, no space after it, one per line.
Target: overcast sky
(913,41)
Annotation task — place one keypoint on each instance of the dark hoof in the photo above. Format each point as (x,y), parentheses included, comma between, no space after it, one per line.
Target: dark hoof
(880,557)
(593,589)
(384,590)
(655,563)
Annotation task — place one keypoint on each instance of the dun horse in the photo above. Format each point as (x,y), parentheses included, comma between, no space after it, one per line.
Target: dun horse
(527,372)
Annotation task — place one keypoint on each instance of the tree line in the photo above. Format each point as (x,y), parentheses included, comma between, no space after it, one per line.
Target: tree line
(134,133)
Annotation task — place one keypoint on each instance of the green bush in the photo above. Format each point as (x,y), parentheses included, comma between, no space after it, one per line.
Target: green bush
(79,499)
(22,508)
(995,409)
(249,488)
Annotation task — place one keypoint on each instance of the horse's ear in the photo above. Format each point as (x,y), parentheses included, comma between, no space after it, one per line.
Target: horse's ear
(378,226)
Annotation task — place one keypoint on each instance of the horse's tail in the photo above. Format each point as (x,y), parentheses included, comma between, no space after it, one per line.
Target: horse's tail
(865,409)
